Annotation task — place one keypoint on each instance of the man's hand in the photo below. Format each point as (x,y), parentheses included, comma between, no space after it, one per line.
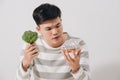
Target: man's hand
(30,52)
(73,62)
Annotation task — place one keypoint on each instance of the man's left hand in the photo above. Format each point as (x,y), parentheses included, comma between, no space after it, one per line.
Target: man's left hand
(73,62)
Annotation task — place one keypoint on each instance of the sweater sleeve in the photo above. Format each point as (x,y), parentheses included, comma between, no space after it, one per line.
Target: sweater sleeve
(84,72)
(20,73)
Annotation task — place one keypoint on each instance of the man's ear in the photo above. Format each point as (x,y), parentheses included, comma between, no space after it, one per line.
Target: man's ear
(60,19)
(38,29)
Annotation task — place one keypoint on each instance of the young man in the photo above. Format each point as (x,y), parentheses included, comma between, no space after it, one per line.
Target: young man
(44,59)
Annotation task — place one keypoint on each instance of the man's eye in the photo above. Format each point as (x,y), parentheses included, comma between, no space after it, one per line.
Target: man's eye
(58,26)
(48,29)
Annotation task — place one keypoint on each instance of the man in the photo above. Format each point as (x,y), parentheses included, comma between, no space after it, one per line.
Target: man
(44,59)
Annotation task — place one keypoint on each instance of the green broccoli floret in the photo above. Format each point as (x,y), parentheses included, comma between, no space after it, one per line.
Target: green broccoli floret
(30,37)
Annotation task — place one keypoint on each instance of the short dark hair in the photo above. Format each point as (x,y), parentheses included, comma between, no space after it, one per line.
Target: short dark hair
(45,12)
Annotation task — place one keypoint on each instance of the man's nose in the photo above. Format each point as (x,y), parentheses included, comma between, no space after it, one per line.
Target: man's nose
(54,31)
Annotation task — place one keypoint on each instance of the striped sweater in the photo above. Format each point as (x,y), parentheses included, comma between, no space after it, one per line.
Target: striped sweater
(50,64)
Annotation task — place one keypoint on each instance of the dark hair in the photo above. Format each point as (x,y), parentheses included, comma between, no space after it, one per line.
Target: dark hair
(45,12)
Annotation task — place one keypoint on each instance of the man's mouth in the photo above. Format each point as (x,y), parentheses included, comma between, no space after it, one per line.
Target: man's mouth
(56,37)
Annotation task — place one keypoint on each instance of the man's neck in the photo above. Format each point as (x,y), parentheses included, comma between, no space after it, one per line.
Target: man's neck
(64,38)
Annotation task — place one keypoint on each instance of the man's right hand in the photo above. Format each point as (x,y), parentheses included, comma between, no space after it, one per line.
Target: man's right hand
(30,52)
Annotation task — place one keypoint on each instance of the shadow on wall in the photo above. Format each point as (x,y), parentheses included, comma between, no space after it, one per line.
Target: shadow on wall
(107,72)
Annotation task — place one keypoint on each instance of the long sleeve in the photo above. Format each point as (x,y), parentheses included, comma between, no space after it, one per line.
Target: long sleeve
(21,74)
(84,72)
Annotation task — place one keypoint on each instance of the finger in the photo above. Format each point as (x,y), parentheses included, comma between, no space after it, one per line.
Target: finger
(32,48)
(68,56)
(28,46)
(36,54)
(34,51)
(34,44)
(37,47)
(78,54)
(63,52)
(73,54)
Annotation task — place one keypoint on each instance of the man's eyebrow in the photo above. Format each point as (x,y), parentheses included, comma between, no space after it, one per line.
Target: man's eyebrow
(58,23)
(54,25)
(48,27)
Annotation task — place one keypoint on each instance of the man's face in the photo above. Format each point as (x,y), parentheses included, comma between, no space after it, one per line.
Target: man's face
(52,31)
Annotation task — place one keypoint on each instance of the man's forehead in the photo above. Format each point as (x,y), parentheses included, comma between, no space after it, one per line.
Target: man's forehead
(50,23)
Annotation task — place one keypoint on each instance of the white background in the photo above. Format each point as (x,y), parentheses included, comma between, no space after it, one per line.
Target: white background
(95,21)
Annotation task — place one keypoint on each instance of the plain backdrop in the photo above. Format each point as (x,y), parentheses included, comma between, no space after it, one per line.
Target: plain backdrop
(95,21)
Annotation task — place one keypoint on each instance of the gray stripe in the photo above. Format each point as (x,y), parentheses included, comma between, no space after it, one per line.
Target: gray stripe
(55,76)
(85,67)
(82,76)
(50,62)
(72,37)
(35,71)
(82,43)
(85,54)
(46,50)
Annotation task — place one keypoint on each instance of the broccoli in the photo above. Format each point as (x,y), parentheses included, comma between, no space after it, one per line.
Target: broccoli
(30,36)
